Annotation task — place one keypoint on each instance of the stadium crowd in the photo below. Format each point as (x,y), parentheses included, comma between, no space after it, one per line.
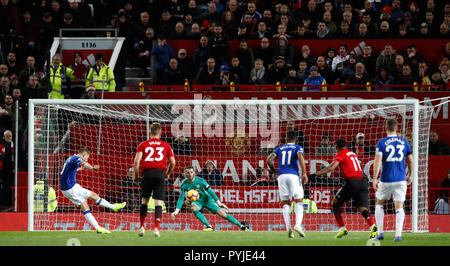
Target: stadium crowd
(28,27)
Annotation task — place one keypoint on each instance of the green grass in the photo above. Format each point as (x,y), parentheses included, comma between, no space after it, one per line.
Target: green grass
(217,238)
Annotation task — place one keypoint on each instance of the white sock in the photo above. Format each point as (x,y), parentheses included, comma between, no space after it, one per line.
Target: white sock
(88,215)
(379,217)
(399,218)
(104,203)
(287,216)
(299,213)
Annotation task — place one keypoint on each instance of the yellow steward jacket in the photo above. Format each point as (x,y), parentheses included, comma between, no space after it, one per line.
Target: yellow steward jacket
(96,77)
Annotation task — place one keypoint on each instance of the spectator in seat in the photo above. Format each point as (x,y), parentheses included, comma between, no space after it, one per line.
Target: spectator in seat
(162,52)
(329,55)
(264,178)
(261,31)
(179,33)
(407,77)
(5,86)
(173,74)
(443,31)
(330,23)
(202,53)
(322,31)
(264,52)
(302,71)
(369,59)
(383,78)
(211,174)
(225,78)
(314,79)
(360,146)
(129,189)
(90,93)
(436,79)
(342,57)
(181,145)
(324,69)
(208,73)
(29,69)
(360,77)
(326,147)
(282,31)
(344,30)
(78,83)
(412,57)
(437,147)
(219,45)
(385,30)
(442,203)
(292,79)
(194,32)
(7,168)
(306,56)
(278,71)
(143,49)
(166,24)
(245,55)
(258,75)
(238,72)
(387,59)
(284,49)
(424,31)
(186,64)
(34,90)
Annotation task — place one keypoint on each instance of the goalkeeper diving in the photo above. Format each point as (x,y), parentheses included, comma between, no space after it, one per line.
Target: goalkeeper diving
(208,199)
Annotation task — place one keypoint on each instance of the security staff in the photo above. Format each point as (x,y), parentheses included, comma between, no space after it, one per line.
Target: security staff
(59,75)
(101,74)
(39,198)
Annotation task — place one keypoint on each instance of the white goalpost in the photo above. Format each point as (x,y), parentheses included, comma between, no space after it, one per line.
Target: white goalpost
(236,136)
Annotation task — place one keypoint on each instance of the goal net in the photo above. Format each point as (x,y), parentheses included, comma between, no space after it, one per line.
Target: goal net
(227,142)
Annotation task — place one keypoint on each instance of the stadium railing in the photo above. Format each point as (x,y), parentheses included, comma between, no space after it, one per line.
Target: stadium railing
(287,87)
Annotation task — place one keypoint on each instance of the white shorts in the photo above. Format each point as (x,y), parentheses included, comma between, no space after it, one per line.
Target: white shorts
(387,189)
(289,186)
(77,194)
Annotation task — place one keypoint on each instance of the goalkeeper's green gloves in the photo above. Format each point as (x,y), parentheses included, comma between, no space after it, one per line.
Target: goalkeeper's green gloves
(313,175)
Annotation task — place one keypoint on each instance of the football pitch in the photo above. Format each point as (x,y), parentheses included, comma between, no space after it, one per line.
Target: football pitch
(216,238)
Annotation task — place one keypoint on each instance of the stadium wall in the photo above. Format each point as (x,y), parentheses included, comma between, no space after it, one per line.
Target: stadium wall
(18,222)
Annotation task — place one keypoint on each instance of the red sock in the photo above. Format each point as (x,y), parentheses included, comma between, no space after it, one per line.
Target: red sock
(142,219)
(157,222)
(370,221)
(339,219)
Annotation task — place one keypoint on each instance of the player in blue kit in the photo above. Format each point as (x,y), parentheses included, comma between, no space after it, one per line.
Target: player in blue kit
(290,159)
(79,195)
(391,153)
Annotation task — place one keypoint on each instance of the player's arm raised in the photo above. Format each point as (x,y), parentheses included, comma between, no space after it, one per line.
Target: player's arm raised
(86,165)
(376,171)
(137,161)
(301,160)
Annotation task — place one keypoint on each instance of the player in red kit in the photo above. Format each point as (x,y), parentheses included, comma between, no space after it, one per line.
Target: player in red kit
(153,155)
(355,186)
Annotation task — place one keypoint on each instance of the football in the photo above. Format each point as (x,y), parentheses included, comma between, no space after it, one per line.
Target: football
(193,195)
